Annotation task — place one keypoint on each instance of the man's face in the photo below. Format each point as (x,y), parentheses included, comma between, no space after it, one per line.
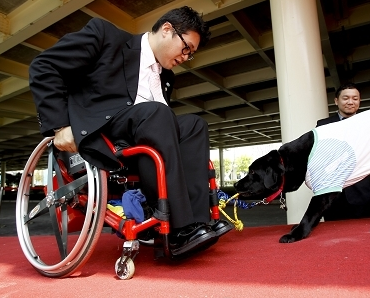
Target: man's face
(348,102)
(170,53)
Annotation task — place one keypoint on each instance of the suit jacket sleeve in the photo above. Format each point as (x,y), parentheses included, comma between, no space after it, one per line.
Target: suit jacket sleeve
(55,71)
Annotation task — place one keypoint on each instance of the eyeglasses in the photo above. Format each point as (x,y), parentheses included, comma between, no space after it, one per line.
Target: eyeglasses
(186,50)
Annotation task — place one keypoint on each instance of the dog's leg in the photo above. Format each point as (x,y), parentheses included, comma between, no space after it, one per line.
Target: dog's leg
(311,218)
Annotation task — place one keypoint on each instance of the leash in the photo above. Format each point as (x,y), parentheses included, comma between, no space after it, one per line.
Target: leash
(224,200)
(243,205)
(237,222)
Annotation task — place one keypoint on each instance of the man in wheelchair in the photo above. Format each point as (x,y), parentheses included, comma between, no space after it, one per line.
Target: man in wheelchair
(103,80)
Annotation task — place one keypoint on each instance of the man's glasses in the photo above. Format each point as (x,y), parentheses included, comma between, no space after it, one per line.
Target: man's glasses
(186,50)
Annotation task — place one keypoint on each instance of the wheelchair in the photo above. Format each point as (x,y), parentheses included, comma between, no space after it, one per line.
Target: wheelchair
(75,198)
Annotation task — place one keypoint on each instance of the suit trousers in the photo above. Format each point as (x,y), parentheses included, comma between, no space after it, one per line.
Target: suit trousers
(183,143)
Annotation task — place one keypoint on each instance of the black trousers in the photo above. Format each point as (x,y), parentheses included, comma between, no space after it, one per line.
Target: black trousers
(183,143)
(354,202)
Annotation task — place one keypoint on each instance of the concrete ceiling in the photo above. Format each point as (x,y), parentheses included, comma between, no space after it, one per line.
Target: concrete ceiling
(231,83)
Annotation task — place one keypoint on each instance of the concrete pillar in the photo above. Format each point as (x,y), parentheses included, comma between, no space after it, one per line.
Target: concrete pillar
(300,79)
(222,167)
(3,179)
(3,173)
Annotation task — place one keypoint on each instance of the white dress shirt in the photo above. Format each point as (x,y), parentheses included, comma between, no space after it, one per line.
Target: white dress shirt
(146,60)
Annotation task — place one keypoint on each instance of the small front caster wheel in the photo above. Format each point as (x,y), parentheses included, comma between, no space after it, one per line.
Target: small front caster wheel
(125,271)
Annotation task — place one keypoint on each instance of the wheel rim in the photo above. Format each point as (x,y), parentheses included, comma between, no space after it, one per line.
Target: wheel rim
(77,244)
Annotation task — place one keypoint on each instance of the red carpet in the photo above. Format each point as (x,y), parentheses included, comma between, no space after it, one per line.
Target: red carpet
(333,262)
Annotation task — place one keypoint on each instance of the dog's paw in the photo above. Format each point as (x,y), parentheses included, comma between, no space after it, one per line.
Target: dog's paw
(288,238)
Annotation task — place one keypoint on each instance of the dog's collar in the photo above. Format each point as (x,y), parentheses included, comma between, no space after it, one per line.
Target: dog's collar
(279,191)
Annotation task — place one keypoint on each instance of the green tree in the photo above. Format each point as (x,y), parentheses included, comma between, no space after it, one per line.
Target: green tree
(239,166)
(242,163)
(227,166)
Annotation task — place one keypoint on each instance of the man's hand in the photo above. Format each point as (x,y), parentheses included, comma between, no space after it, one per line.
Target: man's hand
(64,140)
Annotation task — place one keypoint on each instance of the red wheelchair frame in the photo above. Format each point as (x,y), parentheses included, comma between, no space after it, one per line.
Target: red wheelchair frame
(78,206)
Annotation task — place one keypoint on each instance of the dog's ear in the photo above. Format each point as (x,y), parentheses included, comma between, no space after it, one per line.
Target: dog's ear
(273,171)
(270,179)
(274,161)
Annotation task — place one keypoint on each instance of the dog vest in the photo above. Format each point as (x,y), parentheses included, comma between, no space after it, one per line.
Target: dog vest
(340,155)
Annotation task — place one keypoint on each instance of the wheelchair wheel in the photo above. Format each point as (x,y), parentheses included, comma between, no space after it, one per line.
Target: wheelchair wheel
(71,209)
(125,271)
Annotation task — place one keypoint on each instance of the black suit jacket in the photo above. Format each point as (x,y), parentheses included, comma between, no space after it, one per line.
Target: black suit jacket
(328,120)
(84,80)
(358,193)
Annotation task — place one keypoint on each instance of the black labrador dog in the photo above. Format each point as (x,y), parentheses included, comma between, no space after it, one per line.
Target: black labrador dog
(285,170)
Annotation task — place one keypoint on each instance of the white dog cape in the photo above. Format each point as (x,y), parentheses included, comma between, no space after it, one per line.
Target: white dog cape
(340,155)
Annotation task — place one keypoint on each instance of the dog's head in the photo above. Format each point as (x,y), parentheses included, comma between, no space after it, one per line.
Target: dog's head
(264,177)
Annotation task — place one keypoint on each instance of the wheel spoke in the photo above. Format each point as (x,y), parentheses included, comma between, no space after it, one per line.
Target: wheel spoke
(58,235)
(39,209)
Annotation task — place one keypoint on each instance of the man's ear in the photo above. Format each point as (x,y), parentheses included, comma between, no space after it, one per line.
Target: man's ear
(167,27)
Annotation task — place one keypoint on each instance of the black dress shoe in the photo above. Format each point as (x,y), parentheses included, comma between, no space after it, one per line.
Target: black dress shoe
(146,237)
(190,238)
(221,227)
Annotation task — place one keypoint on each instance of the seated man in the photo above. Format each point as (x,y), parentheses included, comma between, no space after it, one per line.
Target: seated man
(105,80)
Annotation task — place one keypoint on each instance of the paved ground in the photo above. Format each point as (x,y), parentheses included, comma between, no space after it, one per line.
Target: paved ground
(264,215)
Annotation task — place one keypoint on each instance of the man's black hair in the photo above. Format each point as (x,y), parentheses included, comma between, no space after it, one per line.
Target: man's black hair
(185,19)
(344,87)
